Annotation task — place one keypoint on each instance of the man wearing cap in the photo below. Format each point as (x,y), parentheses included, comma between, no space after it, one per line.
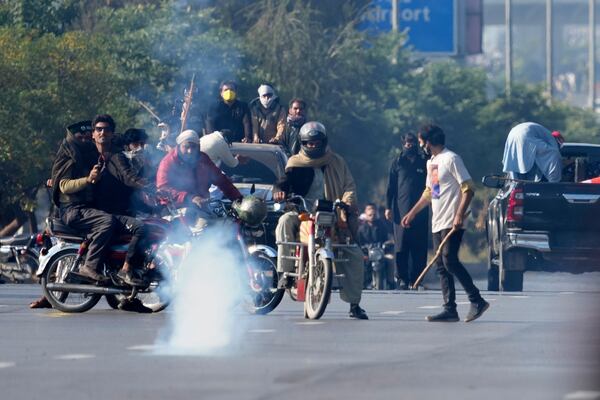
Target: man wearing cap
(186,173)
(230,113)
(268,116)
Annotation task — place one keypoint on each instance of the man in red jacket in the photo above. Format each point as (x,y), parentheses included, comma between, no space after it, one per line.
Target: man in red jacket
(186,173)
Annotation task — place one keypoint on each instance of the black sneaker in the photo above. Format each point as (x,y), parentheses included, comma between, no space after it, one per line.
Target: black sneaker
(477,310)
(444,316)
(129,278)
(134,305)
(357,312)
(91,274)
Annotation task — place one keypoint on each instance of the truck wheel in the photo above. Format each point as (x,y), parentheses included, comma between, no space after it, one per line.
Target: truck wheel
(512,281)
(493,273)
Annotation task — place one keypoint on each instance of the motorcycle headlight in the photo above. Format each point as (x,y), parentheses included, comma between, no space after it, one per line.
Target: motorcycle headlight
(376,254)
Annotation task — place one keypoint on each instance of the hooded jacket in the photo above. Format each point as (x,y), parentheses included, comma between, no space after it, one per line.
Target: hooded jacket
(268,123)
(184,181)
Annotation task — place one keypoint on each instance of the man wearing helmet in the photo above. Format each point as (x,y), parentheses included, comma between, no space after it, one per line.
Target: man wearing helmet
(315,173)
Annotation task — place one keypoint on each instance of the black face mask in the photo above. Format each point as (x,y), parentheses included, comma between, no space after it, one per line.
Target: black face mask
(410,151)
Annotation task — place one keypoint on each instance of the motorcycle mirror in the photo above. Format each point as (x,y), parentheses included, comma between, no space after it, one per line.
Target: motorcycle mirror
(253,188)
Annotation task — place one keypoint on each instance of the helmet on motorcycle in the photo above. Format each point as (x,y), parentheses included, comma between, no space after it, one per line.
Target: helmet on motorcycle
(251,210)
(313,132)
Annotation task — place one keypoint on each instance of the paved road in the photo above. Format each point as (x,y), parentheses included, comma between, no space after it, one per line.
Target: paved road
(540,344)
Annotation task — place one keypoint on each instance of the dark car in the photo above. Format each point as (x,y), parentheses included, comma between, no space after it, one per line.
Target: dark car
(264,167)
(545,226)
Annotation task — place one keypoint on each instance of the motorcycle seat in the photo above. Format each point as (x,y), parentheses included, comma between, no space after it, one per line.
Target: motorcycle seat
(63,231)
(19,240)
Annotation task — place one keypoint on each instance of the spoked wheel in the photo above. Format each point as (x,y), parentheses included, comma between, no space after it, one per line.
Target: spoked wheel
(318,289)
(57,272)
(266,299)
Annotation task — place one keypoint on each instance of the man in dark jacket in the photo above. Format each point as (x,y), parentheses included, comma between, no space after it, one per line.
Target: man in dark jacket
(406,183)
(268,116)
(230,113)
(295,119)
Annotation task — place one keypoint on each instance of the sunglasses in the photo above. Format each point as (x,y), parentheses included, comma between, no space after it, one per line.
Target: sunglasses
(103,128)
(267,95)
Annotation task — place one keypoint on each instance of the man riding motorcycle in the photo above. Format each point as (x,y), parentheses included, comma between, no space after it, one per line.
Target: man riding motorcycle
(186,174)
(319,173)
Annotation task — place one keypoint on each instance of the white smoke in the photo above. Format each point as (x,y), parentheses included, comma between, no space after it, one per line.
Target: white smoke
(206,291)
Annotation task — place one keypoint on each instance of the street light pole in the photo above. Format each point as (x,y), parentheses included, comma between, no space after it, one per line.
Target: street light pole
(508,45)
(592,55)
(549,48)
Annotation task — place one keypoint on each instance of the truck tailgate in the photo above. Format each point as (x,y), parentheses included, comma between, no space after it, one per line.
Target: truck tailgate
(569,211)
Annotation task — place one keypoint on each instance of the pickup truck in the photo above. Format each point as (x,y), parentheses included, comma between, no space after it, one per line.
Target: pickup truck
(541,226)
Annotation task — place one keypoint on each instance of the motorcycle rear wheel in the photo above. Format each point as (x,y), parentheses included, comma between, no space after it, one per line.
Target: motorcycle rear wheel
(318,289)
(57,272)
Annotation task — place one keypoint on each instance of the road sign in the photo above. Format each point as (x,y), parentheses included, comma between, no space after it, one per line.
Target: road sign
(430,24)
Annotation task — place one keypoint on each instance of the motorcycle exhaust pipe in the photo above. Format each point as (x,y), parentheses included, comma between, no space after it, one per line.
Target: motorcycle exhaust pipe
(79,288)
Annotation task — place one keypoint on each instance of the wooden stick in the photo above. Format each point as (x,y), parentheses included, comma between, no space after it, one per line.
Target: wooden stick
(435,257)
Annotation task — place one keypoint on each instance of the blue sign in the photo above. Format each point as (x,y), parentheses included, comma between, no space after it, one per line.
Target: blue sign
(429,24)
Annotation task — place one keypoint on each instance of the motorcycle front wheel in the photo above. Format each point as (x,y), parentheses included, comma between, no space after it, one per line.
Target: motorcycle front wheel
(265,272)
(57,272)
(318,289)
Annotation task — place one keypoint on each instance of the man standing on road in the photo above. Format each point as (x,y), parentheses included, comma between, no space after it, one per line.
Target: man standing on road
(406,182)
(318,173)
(449,189)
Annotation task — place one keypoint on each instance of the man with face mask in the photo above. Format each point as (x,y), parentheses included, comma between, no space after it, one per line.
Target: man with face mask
(186,174)
(268,116)
(319,173)
(295,119)
(230,113)
(406,182)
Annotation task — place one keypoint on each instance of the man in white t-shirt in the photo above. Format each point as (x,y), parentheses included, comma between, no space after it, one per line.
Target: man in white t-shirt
(449,189)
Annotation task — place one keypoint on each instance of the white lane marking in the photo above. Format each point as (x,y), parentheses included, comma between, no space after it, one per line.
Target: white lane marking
(491,299)
(142,347)
(583,395)
(310,323)
(567,293)
(261,331)
(392,312)
(3,305)
(463,302)
(74,356)
(430,307)
(7,364)
(519,297)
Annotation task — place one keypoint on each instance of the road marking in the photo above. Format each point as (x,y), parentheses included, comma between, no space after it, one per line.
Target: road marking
(310,323)
(392,312)
(430,307)
(7,364)
(142,347)
(74,356)
(583,395)
(261,331)
(519,297)
(55,314)
(463,302)
(3,305)
(567,293)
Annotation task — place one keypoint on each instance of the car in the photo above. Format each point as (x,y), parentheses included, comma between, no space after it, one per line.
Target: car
(264,167)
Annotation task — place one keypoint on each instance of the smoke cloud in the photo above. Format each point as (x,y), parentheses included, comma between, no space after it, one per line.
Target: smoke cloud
(206,292)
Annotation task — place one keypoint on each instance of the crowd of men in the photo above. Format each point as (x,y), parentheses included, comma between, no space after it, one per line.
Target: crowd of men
(98,186)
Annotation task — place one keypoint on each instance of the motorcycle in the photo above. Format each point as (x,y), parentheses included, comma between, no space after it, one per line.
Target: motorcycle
(314,256)
(379,265)
(19,257)
(172,237)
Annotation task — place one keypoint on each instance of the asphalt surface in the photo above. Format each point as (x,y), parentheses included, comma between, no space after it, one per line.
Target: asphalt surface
(543,343)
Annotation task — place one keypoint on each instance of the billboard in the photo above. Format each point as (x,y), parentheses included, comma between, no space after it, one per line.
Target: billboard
(430,24)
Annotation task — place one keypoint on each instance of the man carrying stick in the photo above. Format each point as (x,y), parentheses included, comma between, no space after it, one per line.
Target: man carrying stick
(449,189)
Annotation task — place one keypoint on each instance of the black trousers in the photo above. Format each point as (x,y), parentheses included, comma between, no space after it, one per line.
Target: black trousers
(411,261)
(100,227)
(139,241)
(449,266)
